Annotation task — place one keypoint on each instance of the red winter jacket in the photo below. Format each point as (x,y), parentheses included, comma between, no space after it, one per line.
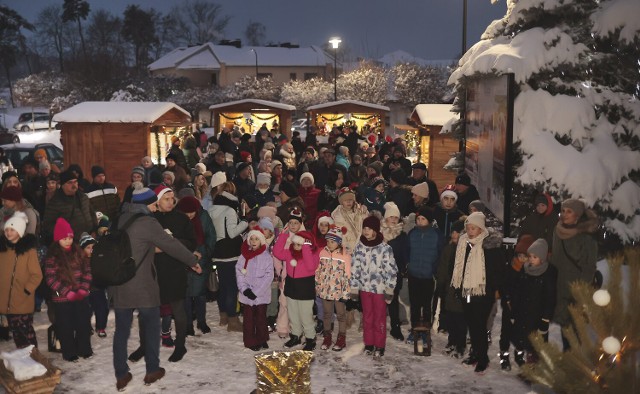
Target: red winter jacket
(310,197)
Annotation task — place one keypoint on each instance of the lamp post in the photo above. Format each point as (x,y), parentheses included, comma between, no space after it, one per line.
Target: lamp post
(335,43)
(256,53)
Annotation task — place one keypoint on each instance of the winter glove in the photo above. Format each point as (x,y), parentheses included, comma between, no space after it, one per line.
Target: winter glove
(249,294)
(388,298)
(543,327)
(73,296)
(82,293)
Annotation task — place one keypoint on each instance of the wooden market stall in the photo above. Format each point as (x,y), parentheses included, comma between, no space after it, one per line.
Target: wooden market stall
(435,148)
(117,135)
(366,117)
(250,114)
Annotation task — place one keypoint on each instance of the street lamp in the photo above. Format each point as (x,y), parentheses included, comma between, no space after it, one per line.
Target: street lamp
(335,43)
(255,53)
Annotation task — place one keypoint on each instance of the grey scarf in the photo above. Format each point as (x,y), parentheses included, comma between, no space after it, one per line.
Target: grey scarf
(536,271)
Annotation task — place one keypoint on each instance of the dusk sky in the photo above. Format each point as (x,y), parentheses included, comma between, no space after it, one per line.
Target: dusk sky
(430,29)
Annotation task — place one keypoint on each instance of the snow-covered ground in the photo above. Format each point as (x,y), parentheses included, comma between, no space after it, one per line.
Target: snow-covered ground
(218,362)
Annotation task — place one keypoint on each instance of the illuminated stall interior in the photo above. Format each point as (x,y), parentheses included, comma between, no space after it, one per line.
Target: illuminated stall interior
(250,114)
(368,118)
(433,148)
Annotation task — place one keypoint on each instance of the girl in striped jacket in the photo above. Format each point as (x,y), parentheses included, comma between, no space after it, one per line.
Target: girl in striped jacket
(69,277)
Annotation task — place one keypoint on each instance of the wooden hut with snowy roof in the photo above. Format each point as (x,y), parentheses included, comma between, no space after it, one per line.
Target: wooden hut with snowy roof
(117,135)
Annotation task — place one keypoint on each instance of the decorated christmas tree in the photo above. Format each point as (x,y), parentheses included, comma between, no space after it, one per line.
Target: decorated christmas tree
(576,127)
(604,338)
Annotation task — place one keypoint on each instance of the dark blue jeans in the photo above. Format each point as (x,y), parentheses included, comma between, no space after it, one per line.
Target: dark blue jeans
(199,306)
(100,307)
(151,324)
(228,293)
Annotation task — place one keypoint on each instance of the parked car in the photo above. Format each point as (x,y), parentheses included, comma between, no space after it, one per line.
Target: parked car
(17,153)
(8,137)
(300,125)
(28,116)
(35,123)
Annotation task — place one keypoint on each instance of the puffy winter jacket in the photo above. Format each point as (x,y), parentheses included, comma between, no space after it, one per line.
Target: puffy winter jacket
(257,277)
(373,268)
(425,245)
(228,226)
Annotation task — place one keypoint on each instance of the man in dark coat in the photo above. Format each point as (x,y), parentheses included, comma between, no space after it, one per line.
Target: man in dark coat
(103,196)
(399,192)
(466,192)
(244,184)
(142,291)
(178,154)
(397,160)
(72,205)
(321,173)
(419,174)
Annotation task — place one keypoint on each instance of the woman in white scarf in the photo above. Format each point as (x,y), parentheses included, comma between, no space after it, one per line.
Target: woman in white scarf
(477,274)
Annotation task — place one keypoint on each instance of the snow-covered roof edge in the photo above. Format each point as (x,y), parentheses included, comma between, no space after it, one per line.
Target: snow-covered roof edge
(116,112)
(355,102)
(273,104)
(434,114)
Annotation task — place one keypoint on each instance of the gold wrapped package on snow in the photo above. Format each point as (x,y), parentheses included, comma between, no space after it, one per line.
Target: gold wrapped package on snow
(284,372)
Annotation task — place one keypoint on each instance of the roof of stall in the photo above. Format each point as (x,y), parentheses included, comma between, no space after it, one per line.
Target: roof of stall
(348,106)
(252,105)
(116,112)
(433,114)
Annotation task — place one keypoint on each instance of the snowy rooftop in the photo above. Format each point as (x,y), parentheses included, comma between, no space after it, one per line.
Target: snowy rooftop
(400,56)
(266,103)
(346,102)
(116,112)
(210,57)
(434,114)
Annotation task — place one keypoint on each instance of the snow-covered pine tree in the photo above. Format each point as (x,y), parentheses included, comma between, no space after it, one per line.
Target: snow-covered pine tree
(577,113)
(414,84)
(367,83)
(303,94)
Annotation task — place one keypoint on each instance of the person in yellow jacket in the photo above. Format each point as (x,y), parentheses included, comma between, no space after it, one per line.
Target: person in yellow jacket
(20,275)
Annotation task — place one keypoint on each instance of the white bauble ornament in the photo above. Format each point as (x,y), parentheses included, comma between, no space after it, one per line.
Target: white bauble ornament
(244,271)
(611,345)
(601,297)
(293,262)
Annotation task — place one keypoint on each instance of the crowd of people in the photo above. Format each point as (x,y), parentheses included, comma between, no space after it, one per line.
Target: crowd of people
(299,243)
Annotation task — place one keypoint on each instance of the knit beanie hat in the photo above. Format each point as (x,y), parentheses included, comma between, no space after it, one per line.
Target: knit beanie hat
(307,175)
(523,243)
(170,174)
(336,233)
(346,193)
(44,164)
(478,205)
(257,232)
(575,205)
(8,174)
(218,179)
(268,211)
(17,222)
(426,212)
(372,222)
(540,199)
(540,249)
(476,218)
(12,193)
(242,166)
(296,215)
(244,155)
(66,176)
(376,166)
(263,178)
(326,219)
(391,209)
(62,230)
(265,223)
(200,168)
(138,170)
(289,189)
(463,179)
(161,191)
(188,204)
(187,191)
(96,170)
(142,195)
(274,164)
(86,240)
(421,189)
(457,226)
(449,191)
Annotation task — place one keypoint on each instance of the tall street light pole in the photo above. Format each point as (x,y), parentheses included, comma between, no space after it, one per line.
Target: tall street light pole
(256,53)
(335,43)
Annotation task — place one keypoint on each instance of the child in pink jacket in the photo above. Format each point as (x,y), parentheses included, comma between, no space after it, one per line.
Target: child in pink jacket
(299,287)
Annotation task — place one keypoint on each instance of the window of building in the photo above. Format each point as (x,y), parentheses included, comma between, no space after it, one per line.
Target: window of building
(214,79)
(264,75)
(308,76)
(293,76)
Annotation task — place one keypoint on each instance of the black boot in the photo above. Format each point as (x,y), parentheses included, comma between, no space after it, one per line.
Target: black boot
(190,330)
(519,357)
(293,341)
(396,333)
(204,328)
(310,345)
(271,323)
(505,364)
(319,326)
(178,354)
(136,355)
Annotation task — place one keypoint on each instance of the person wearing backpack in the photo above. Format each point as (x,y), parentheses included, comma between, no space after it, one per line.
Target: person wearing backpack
(146,236)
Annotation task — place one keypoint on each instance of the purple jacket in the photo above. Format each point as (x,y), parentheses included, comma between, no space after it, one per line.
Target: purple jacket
(258,278)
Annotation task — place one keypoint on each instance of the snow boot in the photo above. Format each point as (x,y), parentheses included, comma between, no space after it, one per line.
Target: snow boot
(204,328)
(471,359)
(505,364)
(136,355)
(396,333)
(519,357)
(378,353)
(410,338)
(327,341)
(319,326)
(167,341)
(294,340)
(310,345)
(368,350)
(341,343)
(224,319)
(234,324)
(178,354)
(426,343)
(190,331)
(481,367)
(271,323)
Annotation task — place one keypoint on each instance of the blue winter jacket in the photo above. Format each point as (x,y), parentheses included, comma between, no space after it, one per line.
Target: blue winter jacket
(425,245)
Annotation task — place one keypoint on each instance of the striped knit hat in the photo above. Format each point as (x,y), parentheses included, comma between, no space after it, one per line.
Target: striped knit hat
(336,233)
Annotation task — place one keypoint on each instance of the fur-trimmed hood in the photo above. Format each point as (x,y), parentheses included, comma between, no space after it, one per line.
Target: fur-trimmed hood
(23,245)
(588,224)
(493,240)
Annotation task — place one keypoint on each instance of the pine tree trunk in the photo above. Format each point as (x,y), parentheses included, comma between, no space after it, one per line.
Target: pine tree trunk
(84,49)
